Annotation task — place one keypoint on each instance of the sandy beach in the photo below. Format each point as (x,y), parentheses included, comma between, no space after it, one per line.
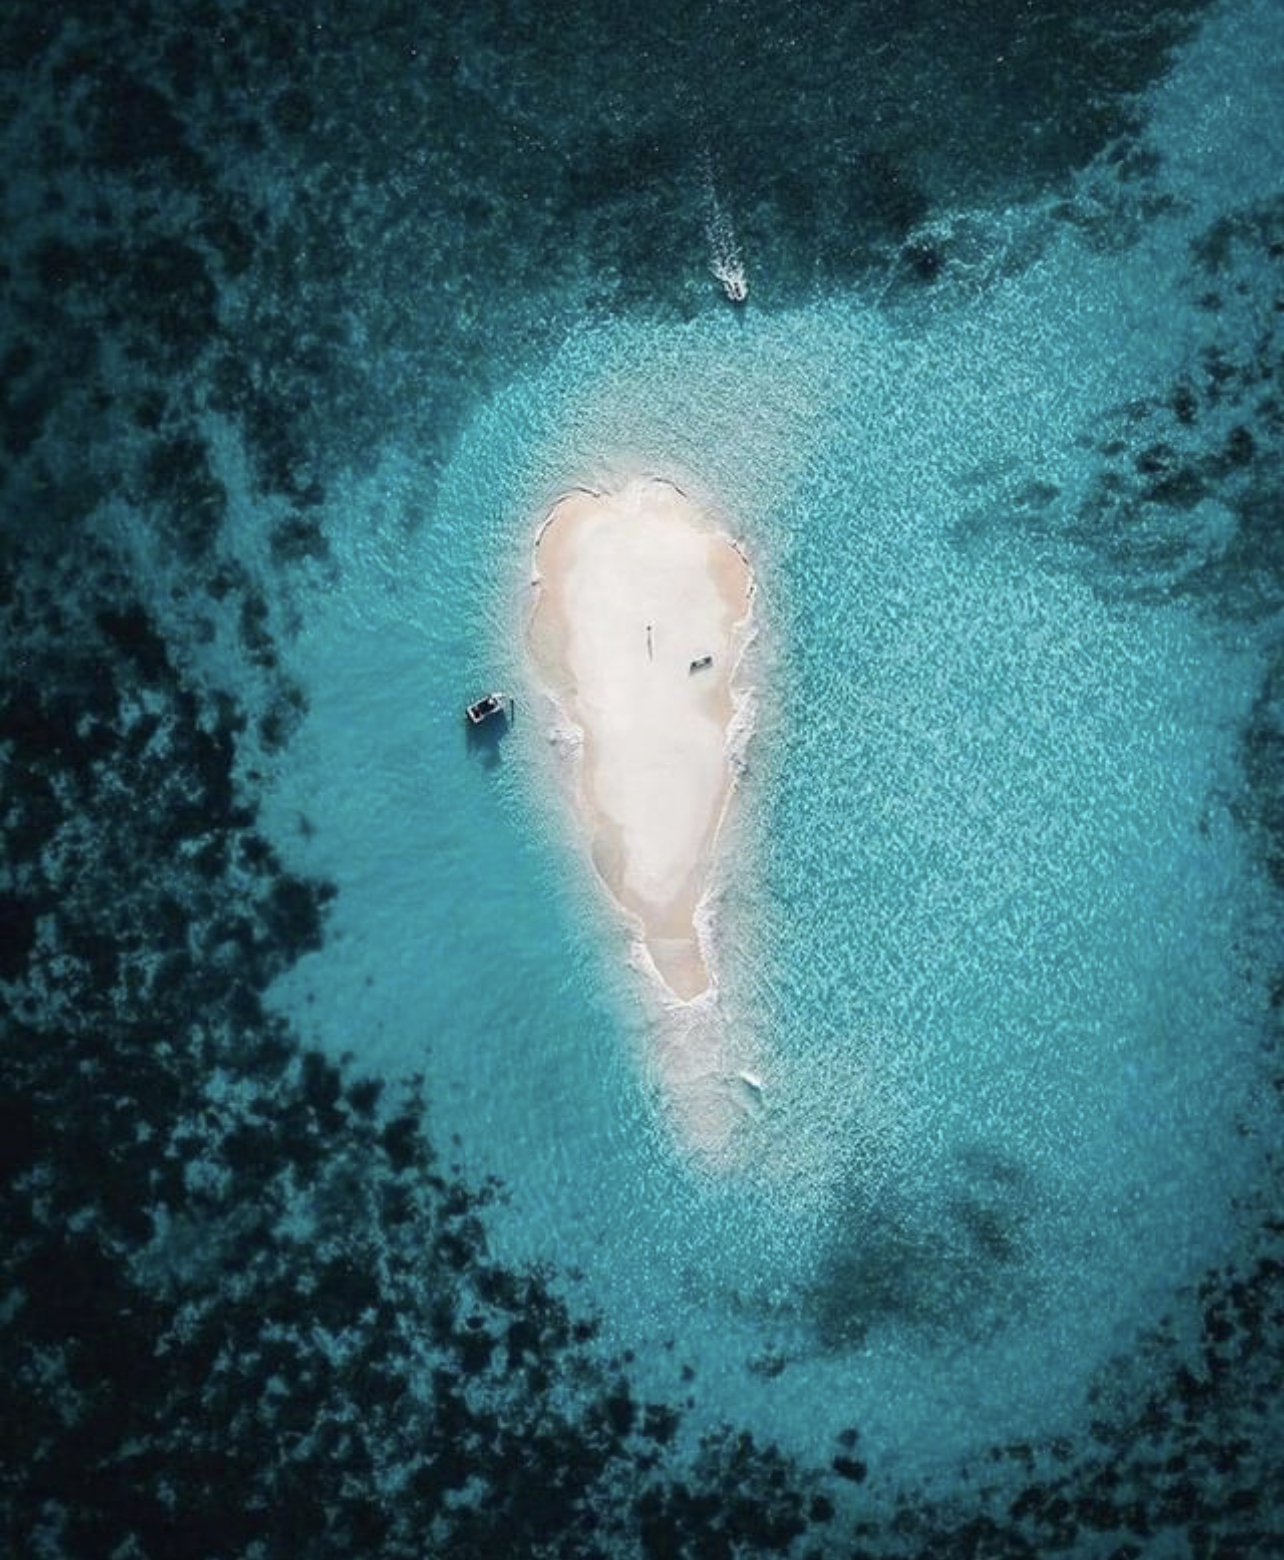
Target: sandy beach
(635,589)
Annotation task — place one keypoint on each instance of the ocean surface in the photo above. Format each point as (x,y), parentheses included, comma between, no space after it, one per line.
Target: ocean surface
(348,1209)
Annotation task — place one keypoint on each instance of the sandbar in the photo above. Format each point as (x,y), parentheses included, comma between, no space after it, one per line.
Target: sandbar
(641,610)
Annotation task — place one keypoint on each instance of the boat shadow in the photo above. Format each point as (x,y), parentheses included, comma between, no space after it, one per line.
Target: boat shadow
(484,743)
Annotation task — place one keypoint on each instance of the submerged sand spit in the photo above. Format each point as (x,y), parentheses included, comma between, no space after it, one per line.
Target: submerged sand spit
(634,586)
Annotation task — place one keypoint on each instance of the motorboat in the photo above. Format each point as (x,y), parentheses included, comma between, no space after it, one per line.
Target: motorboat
(487,707)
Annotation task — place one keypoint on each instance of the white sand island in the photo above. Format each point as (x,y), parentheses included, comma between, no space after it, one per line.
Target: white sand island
(638,624)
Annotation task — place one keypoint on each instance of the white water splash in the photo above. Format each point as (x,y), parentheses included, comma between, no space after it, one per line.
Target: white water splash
(724,252)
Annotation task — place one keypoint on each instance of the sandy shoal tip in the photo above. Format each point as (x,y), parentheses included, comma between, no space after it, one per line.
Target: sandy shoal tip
(636,589)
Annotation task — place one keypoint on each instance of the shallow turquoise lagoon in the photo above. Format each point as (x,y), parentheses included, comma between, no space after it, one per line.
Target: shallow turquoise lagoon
(986,924)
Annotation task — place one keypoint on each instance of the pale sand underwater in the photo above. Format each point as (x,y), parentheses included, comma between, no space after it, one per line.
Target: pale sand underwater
(642,610)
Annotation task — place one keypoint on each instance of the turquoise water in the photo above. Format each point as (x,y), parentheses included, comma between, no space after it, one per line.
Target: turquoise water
(987,924)
(308,314)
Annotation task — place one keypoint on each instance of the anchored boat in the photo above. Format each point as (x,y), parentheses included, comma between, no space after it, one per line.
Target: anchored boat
(488,706)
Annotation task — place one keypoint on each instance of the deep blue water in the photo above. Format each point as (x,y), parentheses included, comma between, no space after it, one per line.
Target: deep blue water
(308,321)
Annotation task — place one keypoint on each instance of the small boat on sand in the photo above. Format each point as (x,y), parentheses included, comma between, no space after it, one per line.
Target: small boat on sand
(488,705)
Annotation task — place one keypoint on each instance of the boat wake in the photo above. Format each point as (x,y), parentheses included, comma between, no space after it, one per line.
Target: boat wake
(725,262)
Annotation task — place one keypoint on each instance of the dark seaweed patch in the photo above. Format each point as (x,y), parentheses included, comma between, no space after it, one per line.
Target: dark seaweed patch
(17,934)
(23,416)
(1188,489)
(927,1268)
(924,260)
(298,538)
(177,478)
(135,124)
(172,301)
(28,34)
(134,635)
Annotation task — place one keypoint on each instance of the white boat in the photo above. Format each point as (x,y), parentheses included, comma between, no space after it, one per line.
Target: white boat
(490,704)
